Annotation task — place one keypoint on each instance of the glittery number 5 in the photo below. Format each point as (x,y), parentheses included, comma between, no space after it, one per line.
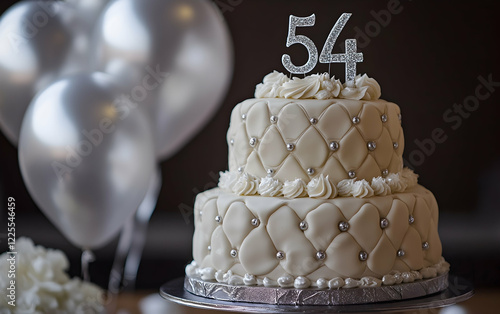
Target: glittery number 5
(292,39)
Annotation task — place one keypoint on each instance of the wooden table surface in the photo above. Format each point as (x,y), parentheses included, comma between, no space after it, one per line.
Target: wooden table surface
(484,301)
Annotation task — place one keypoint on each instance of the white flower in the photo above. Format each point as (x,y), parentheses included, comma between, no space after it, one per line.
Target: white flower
(42,285)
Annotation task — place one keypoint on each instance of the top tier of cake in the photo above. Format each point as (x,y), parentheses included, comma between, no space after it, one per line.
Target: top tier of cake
(316,126)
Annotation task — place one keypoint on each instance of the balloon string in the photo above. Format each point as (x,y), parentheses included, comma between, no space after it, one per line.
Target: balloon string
(132,240)
(122,249)
(87,258)
(141,223)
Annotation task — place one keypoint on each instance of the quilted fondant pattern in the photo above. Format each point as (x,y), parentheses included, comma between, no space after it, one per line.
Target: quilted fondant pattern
(244,234)
(260,130)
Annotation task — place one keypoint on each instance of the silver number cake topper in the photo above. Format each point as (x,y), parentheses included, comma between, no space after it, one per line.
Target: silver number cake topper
(291,39)
(351,57)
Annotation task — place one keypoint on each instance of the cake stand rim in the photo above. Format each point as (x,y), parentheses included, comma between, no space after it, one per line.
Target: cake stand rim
(458,290)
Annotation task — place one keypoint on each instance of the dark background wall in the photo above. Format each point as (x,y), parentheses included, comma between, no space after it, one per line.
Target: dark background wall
(429,58)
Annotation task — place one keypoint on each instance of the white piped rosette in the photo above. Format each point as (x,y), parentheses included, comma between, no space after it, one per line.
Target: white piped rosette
(319,187)
(295,188)
(317,86)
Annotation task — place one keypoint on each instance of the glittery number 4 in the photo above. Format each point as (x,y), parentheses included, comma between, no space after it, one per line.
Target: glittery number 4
(350,57)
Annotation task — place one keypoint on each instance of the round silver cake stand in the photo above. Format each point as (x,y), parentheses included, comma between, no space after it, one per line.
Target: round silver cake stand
(458,290)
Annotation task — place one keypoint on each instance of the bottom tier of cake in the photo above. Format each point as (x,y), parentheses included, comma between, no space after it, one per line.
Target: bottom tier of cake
(341,242)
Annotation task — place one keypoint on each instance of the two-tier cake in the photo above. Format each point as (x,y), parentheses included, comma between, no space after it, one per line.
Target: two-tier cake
(316,196)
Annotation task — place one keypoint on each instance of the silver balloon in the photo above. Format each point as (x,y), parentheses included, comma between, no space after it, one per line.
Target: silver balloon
(176,58)
(86,154)
(33,43)
(79,18)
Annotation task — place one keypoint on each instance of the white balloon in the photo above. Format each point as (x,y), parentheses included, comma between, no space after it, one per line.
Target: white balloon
(176,58)
(79,18)
(33,45)
(86,156)
(40,42)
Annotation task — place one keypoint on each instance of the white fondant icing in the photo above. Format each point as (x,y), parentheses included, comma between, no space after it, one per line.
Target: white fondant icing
(280,228)
(312,125)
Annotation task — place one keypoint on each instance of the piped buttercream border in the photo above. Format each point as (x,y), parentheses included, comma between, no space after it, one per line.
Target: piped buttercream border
(319,187)
(302,282)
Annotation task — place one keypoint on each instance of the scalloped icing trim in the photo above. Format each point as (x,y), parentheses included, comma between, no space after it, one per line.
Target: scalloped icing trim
(302,282)
(319,187)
